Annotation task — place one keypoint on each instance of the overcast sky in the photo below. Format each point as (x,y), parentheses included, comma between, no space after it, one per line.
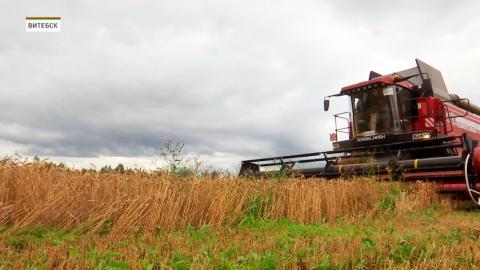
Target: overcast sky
(230,79)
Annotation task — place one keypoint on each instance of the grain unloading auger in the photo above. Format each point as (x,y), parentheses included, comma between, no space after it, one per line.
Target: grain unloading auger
(404,126)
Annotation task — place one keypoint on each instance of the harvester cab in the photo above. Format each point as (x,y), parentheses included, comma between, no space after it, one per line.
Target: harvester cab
(403,125)
(396,103)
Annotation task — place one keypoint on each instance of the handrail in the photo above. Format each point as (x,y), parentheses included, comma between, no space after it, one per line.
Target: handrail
(449,119)
(456,100)
(342,129)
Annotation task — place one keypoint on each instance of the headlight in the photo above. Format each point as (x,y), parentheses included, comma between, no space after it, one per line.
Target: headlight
(421,136)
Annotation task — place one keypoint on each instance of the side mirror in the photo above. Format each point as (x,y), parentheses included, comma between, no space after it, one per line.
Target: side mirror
(326,104)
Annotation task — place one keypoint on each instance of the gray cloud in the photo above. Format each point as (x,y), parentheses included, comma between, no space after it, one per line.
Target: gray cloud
(244,78)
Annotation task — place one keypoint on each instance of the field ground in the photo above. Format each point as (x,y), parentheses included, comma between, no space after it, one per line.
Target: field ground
(55,218)
(428,239)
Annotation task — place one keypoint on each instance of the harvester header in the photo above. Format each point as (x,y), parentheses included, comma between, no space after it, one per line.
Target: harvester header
(404,125)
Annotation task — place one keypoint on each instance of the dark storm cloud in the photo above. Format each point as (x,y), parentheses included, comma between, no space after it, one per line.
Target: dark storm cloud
(242,78)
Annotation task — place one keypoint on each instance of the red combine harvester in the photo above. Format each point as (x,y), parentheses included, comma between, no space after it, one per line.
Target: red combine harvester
(404,126)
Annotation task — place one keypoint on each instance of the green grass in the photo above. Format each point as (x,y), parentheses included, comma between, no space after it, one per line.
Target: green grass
(389,241)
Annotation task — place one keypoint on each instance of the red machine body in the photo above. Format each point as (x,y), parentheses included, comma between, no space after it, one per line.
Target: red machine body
(404,125)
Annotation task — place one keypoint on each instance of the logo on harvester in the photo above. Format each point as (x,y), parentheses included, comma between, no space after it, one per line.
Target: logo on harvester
(43,24)
(371,138)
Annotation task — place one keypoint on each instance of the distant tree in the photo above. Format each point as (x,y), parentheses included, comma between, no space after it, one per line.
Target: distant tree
(106,169)
(120,168)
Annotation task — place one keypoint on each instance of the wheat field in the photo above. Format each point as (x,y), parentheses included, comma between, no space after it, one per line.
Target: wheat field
(38,194)
(53,217)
